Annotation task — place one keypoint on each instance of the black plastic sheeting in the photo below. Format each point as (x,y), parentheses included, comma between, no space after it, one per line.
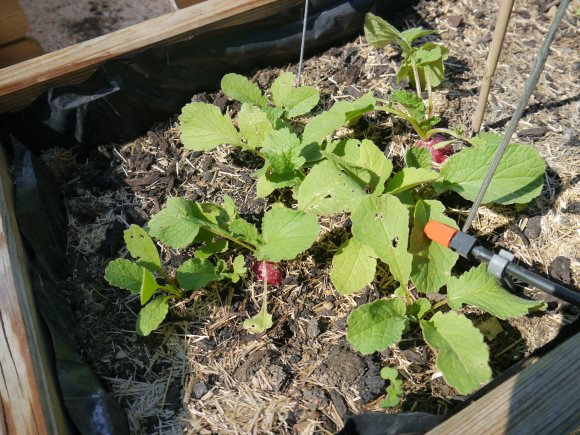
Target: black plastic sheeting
(119,102)
(124,97)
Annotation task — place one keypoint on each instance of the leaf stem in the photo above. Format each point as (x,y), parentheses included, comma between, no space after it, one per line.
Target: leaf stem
(438,304)
(406,117)
(450,133)
(232,239)
(430,95)
(416,76)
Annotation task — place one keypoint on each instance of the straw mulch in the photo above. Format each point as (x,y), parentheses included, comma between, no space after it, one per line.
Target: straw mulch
(202,372)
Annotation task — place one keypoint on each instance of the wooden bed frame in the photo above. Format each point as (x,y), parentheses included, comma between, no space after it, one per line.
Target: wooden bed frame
(543,395)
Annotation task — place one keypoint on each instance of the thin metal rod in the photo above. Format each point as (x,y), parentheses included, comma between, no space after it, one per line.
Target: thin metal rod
(537,68)
(501,25)
(302,43)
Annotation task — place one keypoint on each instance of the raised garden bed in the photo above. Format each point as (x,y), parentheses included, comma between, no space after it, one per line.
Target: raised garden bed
(202,371)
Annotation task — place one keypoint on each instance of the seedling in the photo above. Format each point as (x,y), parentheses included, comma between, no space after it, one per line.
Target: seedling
(210,227)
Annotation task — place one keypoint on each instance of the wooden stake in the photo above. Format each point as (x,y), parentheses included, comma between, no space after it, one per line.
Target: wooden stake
(494,52)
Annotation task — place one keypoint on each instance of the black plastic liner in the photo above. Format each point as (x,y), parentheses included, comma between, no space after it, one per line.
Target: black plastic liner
(119,102)
(126,96)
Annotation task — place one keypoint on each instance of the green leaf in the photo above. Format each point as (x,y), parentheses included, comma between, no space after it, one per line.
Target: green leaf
(429,59)
(260,322)
(419,157)
(178,224)
(378,32)
(239,269)
(321,126)
(268,181)
(124,274)
(411,34)
(340,113)
(353,267)
(254,125)
(196,273)
(462,355)
(394,389)
(296,101)
(148,286)
(478,287)
(282,148)
(432,263)
(419,308)
(245,231)
(142,248)
(365,161)
(240,88)
(518,179)
(327,189)
(383,224)
(152,315)
(486,138)
(409,178)
(286,233)
(353,110)
(212,245)
(414,105)
(203,127)
(374,327)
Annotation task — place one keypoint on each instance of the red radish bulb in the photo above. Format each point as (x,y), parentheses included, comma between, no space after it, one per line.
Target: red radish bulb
(437,155)
(268,271)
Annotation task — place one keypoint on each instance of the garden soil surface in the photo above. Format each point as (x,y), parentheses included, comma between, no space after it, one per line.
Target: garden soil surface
(201,372)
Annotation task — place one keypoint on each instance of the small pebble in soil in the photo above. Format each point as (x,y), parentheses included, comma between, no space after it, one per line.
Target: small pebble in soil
(454,20)
(199,390)
(560,269)
(533,227)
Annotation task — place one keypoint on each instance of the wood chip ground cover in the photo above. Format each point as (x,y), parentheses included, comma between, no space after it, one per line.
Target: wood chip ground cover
(202,372)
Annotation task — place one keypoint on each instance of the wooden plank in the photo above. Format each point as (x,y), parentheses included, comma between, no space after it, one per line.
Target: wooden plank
(13,22)
(21,82)
(185,3)
(542,399)
(29,402)
(19,51)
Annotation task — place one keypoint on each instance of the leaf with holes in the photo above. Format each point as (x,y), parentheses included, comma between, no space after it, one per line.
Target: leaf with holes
(254,126)
(142,248)
(328,189)
(383,224)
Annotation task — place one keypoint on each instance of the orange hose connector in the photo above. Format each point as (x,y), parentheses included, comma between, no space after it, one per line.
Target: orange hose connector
(439,232)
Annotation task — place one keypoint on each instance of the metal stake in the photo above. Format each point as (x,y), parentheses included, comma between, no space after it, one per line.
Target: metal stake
(537,68)
(302,43)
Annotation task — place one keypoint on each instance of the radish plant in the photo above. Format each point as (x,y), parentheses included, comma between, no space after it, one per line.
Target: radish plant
(210,228)
(388,207)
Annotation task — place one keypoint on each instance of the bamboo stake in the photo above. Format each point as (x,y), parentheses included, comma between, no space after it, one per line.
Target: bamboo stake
(494,52)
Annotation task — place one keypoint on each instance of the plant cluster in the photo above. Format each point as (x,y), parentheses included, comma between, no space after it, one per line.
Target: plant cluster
(388,209)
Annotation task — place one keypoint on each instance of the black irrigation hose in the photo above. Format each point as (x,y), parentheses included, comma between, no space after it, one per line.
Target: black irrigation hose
(537,68)
(513,269)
